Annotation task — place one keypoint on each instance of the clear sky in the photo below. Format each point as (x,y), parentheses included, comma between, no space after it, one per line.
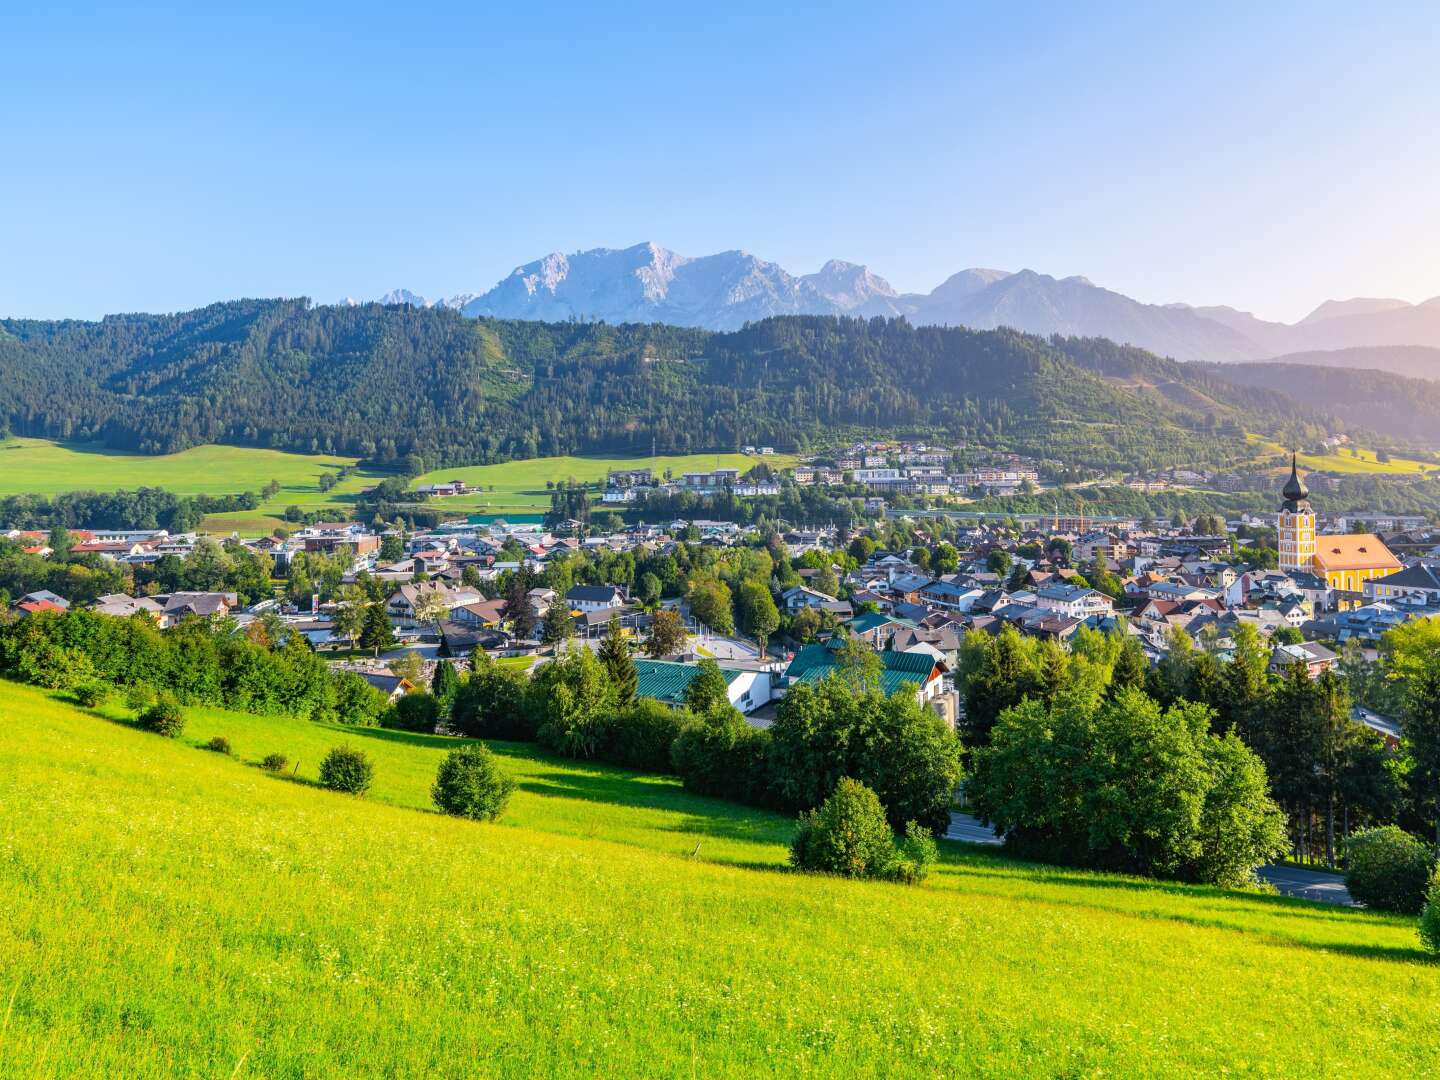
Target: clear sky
(1267,156)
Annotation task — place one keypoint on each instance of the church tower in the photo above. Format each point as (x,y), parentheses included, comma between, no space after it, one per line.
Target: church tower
(1297,524)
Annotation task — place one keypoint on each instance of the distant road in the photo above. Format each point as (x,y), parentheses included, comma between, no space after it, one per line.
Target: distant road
(1288,880)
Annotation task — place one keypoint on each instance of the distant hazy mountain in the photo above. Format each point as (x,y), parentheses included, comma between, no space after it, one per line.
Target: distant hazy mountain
(1412,361)
(648,283)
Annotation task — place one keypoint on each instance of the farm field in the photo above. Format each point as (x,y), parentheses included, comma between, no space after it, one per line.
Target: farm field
(171,911)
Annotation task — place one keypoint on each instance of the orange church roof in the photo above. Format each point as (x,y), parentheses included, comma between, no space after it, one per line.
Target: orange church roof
(1354,551)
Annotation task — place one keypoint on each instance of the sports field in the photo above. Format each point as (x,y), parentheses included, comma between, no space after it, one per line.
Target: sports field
(172,911)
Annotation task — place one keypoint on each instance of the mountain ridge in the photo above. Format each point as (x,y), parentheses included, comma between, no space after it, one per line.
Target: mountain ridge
(647,283)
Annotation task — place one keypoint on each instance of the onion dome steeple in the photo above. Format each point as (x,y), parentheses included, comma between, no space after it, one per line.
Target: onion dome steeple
(1295,492)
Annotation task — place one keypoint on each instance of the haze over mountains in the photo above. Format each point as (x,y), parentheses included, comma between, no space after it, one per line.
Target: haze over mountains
(649,283)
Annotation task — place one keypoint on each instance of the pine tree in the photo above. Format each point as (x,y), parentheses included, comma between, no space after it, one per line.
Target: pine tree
(559,624)
(615,655)
(377,632)
(444,684)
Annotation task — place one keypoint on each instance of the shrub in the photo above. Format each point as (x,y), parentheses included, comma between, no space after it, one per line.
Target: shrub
(1430,917)
(220,744)
(470,784)
(915,855)
(641,735)
(355,702)
(274,762)
(164,717)
(847,835)
(1388,869)
(346,769)
(54,666)
(720,754)
(138,698)
(91,693)
(413,712)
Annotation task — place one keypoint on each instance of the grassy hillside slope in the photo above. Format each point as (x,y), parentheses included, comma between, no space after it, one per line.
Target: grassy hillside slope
(169,911)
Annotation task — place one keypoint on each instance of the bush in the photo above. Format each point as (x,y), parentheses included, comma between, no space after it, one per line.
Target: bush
(274,762)
(418,711)
(915,855)
(220,744)
(641,735)
(1388,869)
(138,698)
(92,693)
(346,769)
(355,702)
(721,755)
(470,784)
(164,717)
(1430,917)
(847,835)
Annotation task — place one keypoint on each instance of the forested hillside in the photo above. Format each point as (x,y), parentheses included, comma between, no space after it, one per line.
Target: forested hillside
(380,382)
(1400,407)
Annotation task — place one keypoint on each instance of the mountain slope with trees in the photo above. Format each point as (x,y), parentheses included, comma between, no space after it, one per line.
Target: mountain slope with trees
(386,383)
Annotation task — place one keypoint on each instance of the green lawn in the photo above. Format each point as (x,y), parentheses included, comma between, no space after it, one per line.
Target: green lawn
(520,485)
(169,911)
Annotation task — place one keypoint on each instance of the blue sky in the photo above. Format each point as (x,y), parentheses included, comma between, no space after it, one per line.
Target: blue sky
(1265,156)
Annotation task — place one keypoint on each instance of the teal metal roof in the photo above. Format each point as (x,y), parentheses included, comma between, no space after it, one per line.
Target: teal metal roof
(667,681)
(901,671)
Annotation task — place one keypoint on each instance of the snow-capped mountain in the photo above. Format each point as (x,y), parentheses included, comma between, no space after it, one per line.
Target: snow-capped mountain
(649,283)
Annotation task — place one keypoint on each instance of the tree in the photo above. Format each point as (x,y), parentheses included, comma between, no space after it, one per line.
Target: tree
(376,632)
(431,608)
(1121,784)
(445,684)
(1421,726)
(614,654)
(573,701)
(348,620)
(392,547)
(346,769)
(559,624)
(998,562)
(648,589)
(469,783)
(667,634)
(759,615)
(708,689)
(710,602)
(417,711)
(493,702)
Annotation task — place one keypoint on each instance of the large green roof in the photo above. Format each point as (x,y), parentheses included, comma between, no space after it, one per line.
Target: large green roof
(667,681)
(901,670)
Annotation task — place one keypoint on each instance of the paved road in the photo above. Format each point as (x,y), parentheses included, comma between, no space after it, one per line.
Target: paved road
(1307,884)
(1288,880)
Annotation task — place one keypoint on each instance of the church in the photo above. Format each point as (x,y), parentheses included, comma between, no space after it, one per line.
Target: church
(1343,562)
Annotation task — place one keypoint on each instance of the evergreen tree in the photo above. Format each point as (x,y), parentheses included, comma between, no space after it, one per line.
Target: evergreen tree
(559,623)
(377,633)
(1421,726)
(614,653)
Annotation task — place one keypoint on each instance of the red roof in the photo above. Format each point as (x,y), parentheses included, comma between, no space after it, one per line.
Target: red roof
(30,607)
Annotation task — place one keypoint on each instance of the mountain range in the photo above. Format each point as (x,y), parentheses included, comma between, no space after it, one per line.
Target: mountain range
(648,283)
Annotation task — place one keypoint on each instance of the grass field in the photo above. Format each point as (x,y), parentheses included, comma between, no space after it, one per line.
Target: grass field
(42,467)
(521,484)
(169,911)
(1361,461)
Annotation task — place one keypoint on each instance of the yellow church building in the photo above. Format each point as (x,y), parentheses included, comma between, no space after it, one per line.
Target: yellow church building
(1343,562)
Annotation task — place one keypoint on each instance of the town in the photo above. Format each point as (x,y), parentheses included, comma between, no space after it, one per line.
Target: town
(770,607)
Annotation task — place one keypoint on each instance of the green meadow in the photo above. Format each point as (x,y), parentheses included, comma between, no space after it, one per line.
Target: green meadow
(519,486)
(39,466)
(169,911)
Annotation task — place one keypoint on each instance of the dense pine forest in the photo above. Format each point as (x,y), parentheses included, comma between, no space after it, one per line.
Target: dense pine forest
(384,382)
